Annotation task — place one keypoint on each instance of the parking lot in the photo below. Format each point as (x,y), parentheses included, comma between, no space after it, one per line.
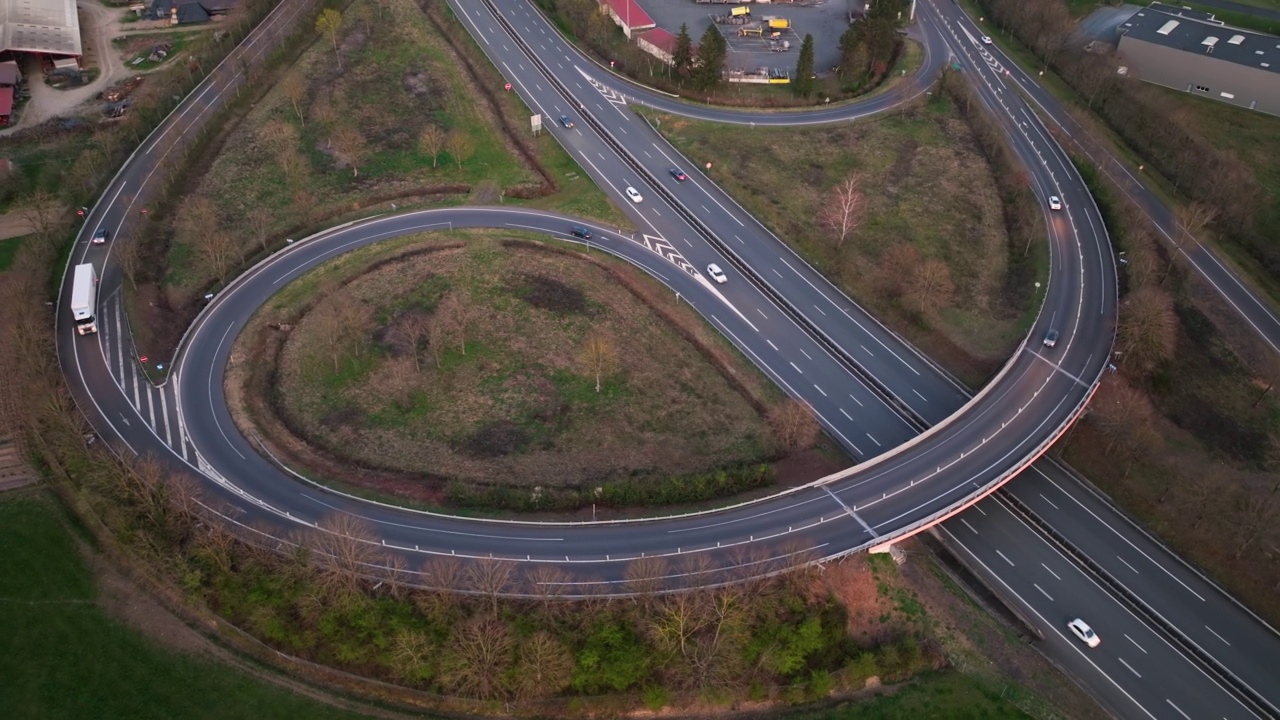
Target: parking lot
(825,20)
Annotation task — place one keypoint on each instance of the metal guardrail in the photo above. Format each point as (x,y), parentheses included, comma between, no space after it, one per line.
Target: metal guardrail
(1256,702)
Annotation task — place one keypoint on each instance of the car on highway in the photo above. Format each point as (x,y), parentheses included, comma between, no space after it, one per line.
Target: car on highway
(986,40)
(101,236)
(1055,203)
(634,194)
(1051,338)
(1081,630)
(566,121)
(579,231)
(716,273)
(679,176)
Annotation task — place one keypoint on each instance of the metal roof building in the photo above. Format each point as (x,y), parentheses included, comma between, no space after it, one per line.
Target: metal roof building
(1196,53)
(40,26)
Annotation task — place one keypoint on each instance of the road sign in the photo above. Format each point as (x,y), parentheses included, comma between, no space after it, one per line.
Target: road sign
(143,358)
(508,86)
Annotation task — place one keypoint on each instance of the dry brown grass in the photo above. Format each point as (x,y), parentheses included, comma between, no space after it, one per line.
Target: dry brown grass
(928,185)
(522,375)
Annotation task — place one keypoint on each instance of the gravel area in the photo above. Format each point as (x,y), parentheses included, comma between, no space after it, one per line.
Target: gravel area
(826,20)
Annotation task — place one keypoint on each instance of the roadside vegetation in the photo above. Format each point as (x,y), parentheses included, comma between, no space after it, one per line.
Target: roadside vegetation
(479,369)
(373,115)
(921,215)
(1203,151)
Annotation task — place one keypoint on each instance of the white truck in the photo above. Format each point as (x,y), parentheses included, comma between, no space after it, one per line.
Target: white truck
(84,299)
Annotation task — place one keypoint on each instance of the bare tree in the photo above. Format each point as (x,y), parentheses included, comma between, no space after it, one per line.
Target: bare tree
(793,425)
(416,328)
(490,578)
(413,656)
(1257,513)
(454,314)
(1125,417)
(365,12)
(458,144)
(547,583)
(43,213)
(599,356)
(197,221)
(128,253)
(350,146)
(278,135)
(931,287)
(345,548)
(293,165)
(896,267)
(478,659)
(330,24)
(304,204)
(1148,329)
(1190,221)
(259,221)
(218,253)
(431,142)
(294,86)
(543,668)
(844,212)
(341,321)
(326,116)
(645,577)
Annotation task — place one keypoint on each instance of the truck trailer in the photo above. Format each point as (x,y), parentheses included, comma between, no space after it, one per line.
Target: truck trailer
(84,299)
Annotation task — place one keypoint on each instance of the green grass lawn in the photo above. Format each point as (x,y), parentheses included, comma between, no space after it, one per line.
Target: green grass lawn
(63,657)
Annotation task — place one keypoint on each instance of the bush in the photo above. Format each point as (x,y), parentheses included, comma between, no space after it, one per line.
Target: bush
(655,697)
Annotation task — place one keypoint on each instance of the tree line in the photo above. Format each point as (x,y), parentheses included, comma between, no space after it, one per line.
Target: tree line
(1147,119)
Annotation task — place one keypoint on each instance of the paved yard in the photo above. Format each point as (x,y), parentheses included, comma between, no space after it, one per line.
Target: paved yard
(826,20)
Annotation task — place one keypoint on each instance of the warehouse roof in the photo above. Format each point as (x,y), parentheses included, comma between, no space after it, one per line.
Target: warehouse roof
(1200,33)
(43,26)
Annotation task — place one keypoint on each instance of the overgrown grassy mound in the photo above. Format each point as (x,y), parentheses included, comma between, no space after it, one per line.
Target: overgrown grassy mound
(495,364)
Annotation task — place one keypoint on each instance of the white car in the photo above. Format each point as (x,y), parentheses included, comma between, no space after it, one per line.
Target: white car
(634,194)
(716,273)
(1055,203)
(986,40)
(1086,634)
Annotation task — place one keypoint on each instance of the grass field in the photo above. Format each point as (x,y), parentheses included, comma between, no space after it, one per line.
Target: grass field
(396,77)
(926,184)
(519,403)
(1253,138)
(63,657)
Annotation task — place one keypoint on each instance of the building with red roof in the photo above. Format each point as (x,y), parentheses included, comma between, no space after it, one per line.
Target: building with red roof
(628,15)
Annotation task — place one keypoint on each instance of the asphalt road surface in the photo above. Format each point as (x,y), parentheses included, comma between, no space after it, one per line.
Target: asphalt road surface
(872,391)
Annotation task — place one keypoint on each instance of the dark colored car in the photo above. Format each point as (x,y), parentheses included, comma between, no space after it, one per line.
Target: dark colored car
(101,236)
(679,176)
(565,121)
(579,231)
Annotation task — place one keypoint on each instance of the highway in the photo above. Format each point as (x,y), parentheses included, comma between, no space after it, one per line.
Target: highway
(872,391)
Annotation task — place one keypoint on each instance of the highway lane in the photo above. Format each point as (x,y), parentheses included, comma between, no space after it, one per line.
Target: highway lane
(912,377)
(1208,617)
(1142,674)
(831,523)
(1256,310)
